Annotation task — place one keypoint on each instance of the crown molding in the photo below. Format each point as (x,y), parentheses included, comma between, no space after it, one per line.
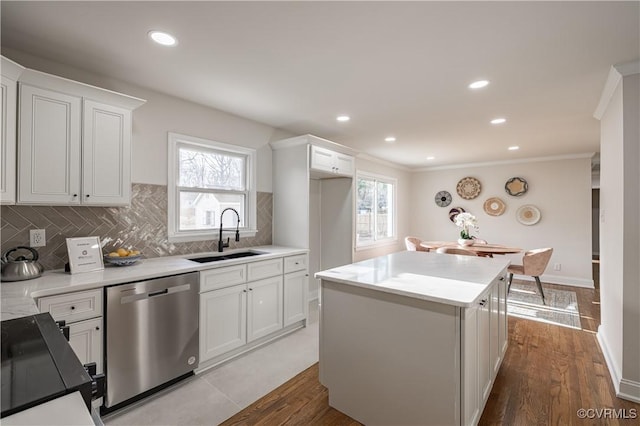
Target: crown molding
(506,162)
(387,163)
(616,73)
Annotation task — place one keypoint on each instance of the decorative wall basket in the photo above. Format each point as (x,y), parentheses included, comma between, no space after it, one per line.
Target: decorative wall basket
(468,188)
(443,198)
(494,206)
(528,215)
(516,186)
(455,212)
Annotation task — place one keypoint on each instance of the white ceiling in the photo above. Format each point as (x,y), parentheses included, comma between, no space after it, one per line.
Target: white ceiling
(397,69)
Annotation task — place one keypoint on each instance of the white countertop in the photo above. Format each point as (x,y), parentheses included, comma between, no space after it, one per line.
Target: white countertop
(444,278)
(68,410)
(17,297)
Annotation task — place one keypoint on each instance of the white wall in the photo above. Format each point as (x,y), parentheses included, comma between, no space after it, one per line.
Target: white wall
(163,113)
(365,164)
(561,189)
(619,332)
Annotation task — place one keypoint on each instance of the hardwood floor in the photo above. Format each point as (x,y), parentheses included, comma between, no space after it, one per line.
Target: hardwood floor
(548,374)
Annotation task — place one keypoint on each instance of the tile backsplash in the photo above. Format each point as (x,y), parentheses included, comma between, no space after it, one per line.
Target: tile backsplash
(143,225)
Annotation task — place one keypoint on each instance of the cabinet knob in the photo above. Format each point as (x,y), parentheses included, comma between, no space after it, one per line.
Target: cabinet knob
(75,195)
(483,302)
(73,307)
(501,278)
(98,328)
(244,291)
(250,289)
(87,195)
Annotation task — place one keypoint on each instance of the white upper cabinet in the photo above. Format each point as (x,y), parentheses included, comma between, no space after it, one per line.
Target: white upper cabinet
(9,88)
(74,143)
(49,147)
(106,154)
(331,162)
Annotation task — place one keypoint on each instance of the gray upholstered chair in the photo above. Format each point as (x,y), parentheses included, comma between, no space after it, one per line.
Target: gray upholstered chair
(455,250)
(413,244)
(534,262)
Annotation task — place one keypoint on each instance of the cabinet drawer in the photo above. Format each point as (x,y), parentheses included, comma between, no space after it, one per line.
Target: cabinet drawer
(222,277)
(295,263)
(73,307)
(264,269)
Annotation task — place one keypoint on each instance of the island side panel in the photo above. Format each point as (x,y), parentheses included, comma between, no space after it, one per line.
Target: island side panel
(388,359)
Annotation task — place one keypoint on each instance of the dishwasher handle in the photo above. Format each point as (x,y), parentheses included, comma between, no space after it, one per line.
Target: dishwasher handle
(163,292)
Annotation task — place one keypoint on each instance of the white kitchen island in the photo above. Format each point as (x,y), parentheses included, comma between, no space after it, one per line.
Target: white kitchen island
(413,338)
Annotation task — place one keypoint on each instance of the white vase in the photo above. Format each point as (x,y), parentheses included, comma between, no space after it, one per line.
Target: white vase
(465,242)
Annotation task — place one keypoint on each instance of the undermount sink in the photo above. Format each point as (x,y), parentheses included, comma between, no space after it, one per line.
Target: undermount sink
(218,258)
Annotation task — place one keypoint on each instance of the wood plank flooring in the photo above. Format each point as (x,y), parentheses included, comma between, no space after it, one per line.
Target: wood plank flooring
(549,372)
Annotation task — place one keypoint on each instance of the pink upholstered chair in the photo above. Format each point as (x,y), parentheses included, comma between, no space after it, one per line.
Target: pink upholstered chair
(455,250)
(413,244)
(534,262)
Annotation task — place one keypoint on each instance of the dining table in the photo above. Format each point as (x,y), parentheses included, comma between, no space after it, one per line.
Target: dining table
(481,249)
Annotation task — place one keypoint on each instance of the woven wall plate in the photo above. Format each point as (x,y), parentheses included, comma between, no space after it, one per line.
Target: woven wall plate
(468,188)
(516,186)
(455,212)
(443,198)
(528,215)
(494,206)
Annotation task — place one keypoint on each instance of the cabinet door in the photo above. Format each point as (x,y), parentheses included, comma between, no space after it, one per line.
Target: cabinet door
(494,339)
(106,155)
(322,159)
(344,164)
(223,321)
(85,338)
(8,148)
(470,388)
(484,348)
(264,306)
(296,306)
(503,324)
(48,147)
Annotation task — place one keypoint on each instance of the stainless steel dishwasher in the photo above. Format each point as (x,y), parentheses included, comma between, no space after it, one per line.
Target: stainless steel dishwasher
(151,334)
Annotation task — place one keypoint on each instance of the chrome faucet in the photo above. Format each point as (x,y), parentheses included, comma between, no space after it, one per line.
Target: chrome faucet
(222,244)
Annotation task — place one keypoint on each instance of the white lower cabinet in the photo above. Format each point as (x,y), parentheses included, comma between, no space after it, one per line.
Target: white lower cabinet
(238,308)
(223,321)
(296,306)
(264,307)
(85,338)
(484,343)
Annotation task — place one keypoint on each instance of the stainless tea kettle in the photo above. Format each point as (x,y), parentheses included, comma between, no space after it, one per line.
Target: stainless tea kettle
(20,268)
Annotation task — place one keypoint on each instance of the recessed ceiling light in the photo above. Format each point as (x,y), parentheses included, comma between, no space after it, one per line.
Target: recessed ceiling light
(479,84)
(498,120)
(431,158)
(514,148)
(163,38)
(343,118)
(390,139)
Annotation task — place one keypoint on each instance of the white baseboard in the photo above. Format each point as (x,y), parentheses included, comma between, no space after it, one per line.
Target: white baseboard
(625,389)
(558,279)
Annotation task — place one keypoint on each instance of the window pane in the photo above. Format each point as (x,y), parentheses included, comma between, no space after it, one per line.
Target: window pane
(202,210)
(209,169)
(384,214)
(365,205)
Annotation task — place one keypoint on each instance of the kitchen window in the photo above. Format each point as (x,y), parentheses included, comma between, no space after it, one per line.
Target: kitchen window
(375,210)
(206,177)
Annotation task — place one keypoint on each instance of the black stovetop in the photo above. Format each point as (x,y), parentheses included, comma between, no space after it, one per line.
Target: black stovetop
(38,364)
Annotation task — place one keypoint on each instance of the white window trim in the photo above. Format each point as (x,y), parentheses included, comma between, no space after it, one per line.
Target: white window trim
(385,241)
(175,236)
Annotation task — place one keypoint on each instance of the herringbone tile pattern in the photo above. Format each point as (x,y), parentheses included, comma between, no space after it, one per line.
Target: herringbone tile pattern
(143,226)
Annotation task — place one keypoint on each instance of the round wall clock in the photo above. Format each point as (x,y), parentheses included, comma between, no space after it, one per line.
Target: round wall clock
(443,198)
(516,186)
(468,188)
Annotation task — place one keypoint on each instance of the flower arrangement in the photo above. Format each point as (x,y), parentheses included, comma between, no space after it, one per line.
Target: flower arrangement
(466,221)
